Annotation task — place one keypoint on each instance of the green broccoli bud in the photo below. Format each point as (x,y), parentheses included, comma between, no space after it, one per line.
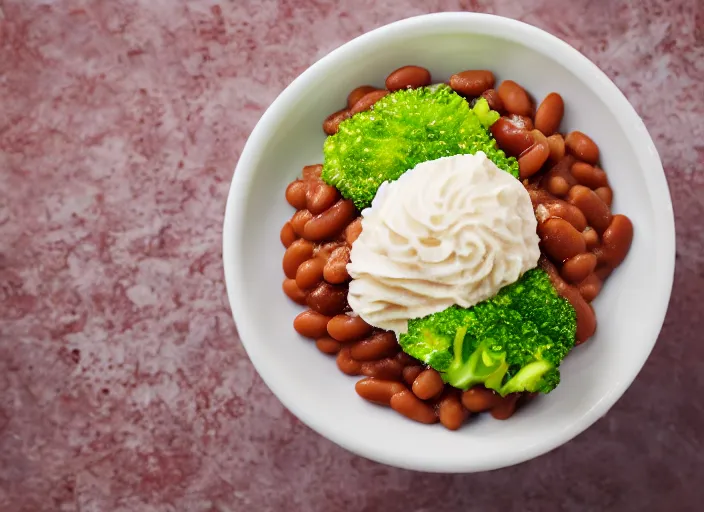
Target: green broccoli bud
(510,343)
(402,130)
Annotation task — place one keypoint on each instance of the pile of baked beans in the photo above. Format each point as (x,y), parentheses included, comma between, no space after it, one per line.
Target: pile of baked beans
(581,242)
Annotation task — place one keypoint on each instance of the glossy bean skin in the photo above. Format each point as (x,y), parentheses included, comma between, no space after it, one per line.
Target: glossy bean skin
(377,346)
(299,221)
(450,411)
(583,147)
(561,210)
(605,194)
(332,122)
(347,328)
(532,160)
(378,391)
(335,270)
(311,324)
(594,209)
(298,252)
(387,368)
(586,319)
(328,299)
(523,122)
(616,241)
(549,114)
(320,196)
(511,139)
(346,364)
(327,345)
(560,240)
(293,292)
(557,147)
(310,273)
(411,372)
(590,287)
(296,194)
(288,235)
(492,98)
(515,98)
(331,222)
(357,94)
(408,77)
(428,384)
(479,399)
(506,407)
(312,172)
(353,230)
(472,82)
(588,175)
(557,186)
(407,404)
(591,238)
(578,268)
(406,360)
(367,101)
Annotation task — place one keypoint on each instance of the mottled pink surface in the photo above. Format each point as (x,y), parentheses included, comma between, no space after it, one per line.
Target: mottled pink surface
(123,386)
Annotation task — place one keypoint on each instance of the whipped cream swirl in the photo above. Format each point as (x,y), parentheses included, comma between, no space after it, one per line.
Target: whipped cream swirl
(450,231)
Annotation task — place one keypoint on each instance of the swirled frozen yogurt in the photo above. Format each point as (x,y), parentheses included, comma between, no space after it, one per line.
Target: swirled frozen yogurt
(449,231)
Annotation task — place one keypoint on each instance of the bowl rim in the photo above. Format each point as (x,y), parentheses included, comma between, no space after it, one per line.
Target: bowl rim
(450,22)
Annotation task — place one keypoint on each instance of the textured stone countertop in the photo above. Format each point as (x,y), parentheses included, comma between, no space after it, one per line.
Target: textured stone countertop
(123,386)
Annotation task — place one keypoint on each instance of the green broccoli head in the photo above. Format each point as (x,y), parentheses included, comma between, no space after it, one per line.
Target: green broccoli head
(404,129)
(510,343)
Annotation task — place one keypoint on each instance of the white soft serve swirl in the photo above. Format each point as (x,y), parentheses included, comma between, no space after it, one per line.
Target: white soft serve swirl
(450,231)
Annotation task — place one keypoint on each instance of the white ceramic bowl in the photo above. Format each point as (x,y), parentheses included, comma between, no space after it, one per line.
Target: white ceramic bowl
(630,310)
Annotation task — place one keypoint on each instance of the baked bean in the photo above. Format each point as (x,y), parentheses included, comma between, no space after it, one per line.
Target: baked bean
(296,194)
(557,186)
(347,328)
(378,391)
(557,147)
(560,169)
(515,98)
(428,384)
(603,271)
(335,270)
(367,101)
(590,287)
(472,82)
(387,369)
(358,93)
(606,195)
(532,160)
(522,122)
(310,273)
(549,114)
(411,372)
(328,345)
(324,251)
(311,324)
(332,123)
(451,412)
(506,407)
(479,399)
(591,238)
(560,240)
(562,210)
(581,146)
(331,222)
(510,138)
(320,196)
(586,319)
(328,299)
(594,209)
(299,221)
(577,268)
(588,175)
(408,77)
(492,98)
(353,230)
(411,407)
(293,292)
(617,241)
(312,172)
(298,252)
(288,235)
(346,364)
(405,359)
(377,346)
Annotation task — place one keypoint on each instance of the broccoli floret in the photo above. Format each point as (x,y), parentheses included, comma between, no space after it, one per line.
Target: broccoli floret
(512,342)
(404,129)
